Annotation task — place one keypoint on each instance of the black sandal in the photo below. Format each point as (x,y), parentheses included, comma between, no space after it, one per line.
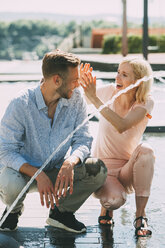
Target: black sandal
(106,217)
(141,227)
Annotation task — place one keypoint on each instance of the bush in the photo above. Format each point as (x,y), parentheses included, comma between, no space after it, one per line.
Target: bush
(31,36)
(41,49)
(153,39)
(134,44)
(111,44)
(161,43)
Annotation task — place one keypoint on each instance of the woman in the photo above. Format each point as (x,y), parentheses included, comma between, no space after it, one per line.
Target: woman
(130,164)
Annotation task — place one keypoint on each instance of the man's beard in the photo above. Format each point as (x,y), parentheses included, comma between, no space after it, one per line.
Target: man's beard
(63,91)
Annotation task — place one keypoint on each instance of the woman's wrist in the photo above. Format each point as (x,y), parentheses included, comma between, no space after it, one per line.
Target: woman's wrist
(96,101)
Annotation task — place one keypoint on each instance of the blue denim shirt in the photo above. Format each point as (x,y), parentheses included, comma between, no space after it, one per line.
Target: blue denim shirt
(27,134)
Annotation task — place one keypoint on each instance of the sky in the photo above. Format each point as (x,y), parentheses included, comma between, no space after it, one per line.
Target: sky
(84,7)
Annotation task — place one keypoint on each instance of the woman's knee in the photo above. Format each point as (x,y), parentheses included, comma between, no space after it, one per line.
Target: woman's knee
(112,194)
(143,169)
(146,149)
(114,202)
(111,198)
(146,155)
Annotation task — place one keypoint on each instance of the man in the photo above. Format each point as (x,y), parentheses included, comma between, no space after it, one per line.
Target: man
(34,125)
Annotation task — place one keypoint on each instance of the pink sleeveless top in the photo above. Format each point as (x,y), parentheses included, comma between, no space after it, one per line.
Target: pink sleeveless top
(112,147)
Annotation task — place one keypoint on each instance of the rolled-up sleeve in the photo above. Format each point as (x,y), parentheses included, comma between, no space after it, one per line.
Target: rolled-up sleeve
(11,137)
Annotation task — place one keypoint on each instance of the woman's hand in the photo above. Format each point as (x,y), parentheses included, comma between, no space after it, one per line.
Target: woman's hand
(84,69)
(88,82)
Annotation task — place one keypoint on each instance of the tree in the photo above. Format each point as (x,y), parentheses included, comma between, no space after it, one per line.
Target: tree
(124,30)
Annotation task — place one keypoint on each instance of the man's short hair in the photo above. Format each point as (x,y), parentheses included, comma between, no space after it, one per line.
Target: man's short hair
(57,62)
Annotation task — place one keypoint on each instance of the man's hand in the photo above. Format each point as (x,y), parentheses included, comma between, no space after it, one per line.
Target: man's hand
(46,190)
(65,177)
(64,180)
(44,184)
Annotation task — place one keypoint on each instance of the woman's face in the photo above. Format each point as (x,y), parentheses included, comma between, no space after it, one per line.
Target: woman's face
(125,76)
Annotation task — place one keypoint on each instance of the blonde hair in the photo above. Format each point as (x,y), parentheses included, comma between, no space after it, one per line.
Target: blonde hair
(141,68)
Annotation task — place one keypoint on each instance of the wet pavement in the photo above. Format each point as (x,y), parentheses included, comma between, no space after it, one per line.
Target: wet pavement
(33,231)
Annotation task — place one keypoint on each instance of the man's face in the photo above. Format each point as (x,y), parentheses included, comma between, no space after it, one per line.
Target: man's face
(69,83)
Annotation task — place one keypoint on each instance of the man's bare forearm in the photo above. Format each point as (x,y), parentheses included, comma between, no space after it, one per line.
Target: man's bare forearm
(29,170)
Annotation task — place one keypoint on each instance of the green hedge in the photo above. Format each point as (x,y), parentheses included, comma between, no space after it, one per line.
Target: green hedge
(113,44)
(134,44)
(161,43)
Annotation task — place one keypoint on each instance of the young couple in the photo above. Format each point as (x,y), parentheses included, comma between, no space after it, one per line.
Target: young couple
(39,119)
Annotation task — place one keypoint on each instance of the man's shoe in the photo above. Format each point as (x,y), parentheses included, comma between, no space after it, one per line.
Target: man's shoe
(65,220)
(10,224)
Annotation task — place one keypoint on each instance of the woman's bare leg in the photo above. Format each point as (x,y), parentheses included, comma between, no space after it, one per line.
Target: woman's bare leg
(103,213)
(112,195)
(139,172)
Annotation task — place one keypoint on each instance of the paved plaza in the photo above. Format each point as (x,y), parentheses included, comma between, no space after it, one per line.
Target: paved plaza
(33,232)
